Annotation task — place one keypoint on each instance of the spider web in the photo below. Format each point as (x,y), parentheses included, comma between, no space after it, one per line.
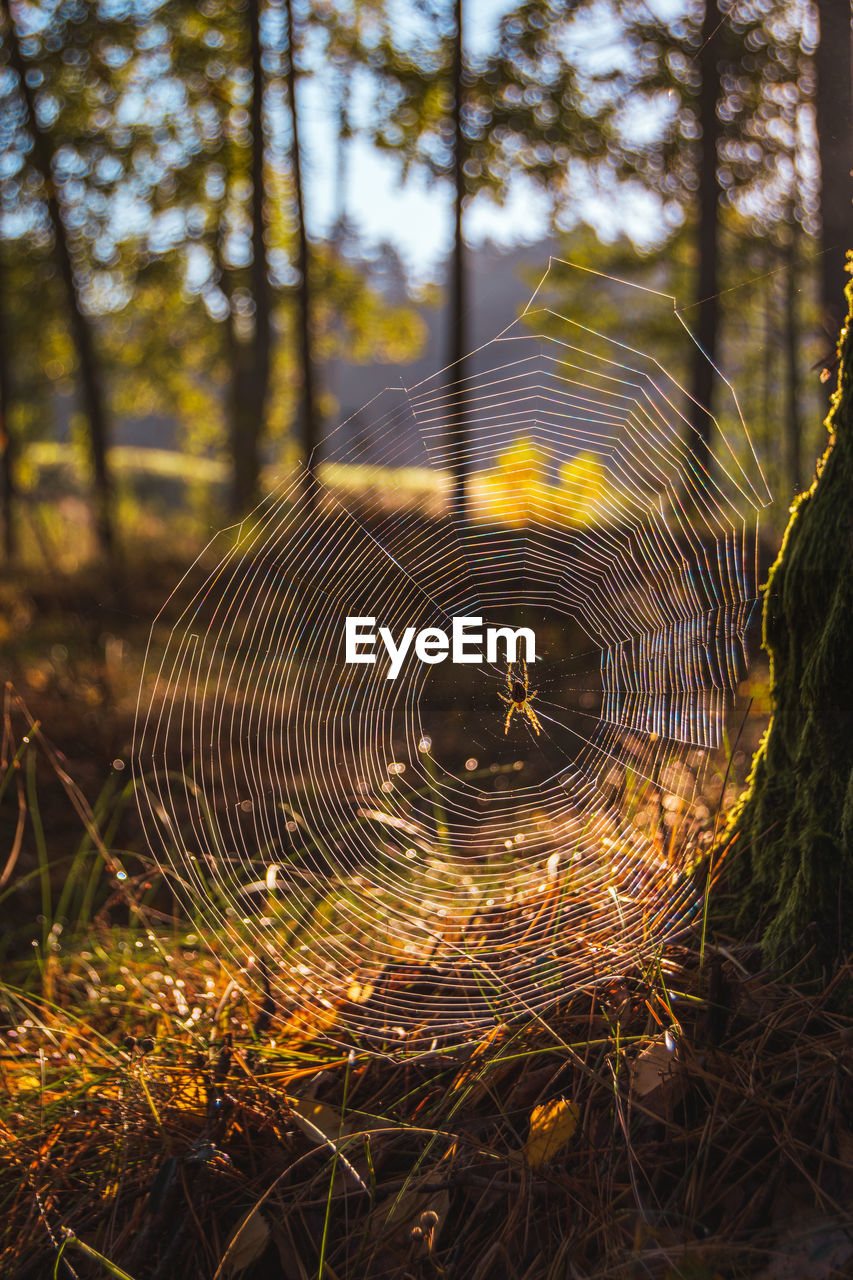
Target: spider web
(394,861)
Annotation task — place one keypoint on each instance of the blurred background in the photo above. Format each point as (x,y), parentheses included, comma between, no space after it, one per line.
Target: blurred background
(227,225)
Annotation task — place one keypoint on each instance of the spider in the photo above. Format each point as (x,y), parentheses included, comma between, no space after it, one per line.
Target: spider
(520,697)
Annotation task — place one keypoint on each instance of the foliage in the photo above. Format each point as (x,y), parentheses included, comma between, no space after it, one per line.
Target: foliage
(581,97)
(148,121)
(525,113)
(594,103)
(765,53)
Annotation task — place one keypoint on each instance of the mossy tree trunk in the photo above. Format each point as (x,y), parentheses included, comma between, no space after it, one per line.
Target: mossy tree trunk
(791,863)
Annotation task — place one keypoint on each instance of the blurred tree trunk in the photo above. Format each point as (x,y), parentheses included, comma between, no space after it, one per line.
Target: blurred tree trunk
(251,367)
(708,248)
(343,134)
(237,396)
(303,264)
(835,143)
(458,278)
(7,444)
(792,335)
(791,864)
(81,329)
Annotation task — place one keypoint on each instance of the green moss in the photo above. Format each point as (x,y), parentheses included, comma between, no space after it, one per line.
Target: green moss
(791,867)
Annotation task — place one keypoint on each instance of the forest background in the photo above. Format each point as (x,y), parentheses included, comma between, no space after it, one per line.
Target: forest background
(214,218)
(206,208)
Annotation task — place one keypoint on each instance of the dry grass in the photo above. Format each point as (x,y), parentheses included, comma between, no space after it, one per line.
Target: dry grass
(692,1119)
(710,1158)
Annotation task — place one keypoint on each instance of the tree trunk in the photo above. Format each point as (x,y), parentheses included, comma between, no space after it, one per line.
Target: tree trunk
(81,330)
(343,134)
(709,198)
(251,385)
(458,281)
(238,398)
(793,421)
(835,144)
(7,444)
(309,407)
(791,864)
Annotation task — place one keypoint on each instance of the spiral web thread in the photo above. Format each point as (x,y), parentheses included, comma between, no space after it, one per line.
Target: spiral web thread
(397,864)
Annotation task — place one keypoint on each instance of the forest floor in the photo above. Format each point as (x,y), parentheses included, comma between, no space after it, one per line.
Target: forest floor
(693,1118)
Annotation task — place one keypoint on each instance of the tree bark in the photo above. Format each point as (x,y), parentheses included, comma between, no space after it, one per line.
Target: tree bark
(790,866)
(458,278)
(81,330)
(709,200)
(303,266)
(835,145)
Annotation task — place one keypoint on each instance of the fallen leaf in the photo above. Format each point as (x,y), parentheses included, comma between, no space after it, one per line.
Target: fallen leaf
(656,1076)
(246,1244)
(324,1126)
(317,1119)
(28,1083)
(551,1127)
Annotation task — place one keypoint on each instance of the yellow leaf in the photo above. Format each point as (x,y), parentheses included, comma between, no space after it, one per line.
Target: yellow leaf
(245,1246)
(360,992)
(27,1083)
(551,1127)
